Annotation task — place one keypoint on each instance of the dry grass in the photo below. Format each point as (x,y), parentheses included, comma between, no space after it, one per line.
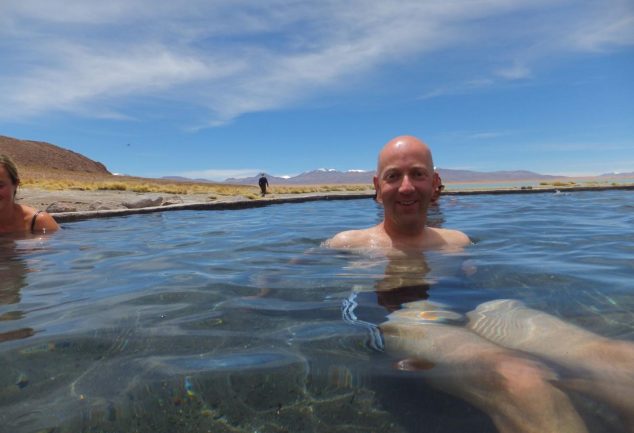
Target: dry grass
(59,181)
(559,184)
(303,189)
(589,183)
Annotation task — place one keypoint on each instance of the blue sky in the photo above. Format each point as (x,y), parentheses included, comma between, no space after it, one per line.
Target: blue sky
(234,87)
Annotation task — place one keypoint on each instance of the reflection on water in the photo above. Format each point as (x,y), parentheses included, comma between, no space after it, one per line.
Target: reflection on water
(13,270)
(232,321)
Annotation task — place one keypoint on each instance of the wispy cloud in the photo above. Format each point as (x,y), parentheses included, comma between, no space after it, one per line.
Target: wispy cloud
(607,29)
(97,79)
(578,147)
(488,135)
(94,58)
(516,71)
(476,135)
(455,89)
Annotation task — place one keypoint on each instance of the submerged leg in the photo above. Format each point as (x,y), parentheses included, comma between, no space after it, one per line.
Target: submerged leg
(603,368)
(514,391)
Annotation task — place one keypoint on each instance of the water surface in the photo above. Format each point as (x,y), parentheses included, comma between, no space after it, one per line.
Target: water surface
(232,320)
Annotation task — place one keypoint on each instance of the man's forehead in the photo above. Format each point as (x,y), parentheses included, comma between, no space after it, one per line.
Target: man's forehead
(405,150)
(410,159)
(412,166)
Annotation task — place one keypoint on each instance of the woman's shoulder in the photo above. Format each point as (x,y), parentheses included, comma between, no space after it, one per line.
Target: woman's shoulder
(25,213)
(36,220)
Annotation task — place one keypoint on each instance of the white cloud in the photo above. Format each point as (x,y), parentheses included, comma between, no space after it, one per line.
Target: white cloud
(516,71)
(461,136)
(606,29)
(231,57)
(488,135)
(467,87)
(580,147)
(95,80)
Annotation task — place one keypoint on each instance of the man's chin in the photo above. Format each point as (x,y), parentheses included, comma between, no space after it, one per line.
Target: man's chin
(413,217)
(409,209)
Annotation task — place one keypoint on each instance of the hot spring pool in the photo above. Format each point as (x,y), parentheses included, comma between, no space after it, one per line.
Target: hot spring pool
(231,321)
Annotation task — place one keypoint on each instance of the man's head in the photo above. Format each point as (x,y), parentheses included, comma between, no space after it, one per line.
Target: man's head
(405,182)
(439,188)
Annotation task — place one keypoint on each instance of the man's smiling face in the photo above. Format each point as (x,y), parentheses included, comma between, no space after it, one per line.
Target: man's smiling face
(405,182)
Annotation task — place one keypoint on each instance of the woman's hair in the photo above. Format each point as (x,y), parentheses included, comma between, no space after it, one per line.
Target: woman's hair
(12,170)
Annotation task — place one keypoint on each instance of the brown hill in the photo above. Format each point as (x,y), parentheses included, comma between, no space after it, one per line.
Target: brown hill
(33,155)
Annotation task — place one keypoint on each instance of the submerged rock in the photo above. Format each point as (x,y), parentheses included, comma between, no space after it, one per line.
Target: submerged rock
(23,380)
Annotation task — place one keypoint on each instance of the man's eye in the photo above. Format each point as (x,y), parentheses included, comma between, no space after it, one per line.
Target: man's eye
(391,176)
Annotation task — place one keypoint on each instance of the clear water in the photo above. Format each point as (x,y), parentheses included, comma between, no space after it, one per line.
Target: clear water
(230,321)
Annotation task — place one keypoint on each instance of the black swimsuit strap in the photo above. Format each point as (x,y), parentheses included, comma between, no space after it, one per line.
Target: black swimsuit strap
(33,220)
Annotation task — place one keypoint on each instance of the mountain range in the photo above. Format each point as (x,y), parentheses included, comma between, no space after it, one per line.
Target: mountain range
(331,176)
(628,175)
(31,155)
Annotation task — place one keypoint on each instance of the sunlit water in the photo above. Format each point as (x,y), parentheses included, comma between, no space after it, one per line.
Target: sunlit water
(231,321)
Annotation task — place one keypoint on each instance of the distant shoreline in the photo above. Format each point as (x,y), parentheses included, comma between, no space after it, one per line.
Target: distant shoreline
(84,202)
(541,183)
(537,190)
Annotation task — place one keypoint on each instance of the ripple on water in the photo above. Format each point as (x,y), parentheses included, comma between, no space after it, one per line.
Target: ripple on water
(195,321)
(227,362)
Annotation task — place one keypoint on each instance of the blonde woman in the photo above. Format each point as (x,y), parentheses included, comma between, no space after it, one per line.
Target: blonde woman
(14,217)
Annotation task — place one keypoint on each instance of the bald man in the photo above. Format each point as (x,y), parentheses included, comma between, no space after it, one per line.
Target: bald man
(405,184)
(476,362)
(515,391)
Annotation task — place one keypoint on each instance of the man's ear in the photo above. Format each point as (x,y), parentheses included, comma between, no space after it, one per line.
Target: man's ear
(377,188)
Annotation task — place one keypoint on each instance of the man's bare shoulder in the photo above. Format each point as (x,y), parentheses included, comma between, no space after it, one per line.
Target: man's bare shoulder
(451,238)
(362,238)
(376,238)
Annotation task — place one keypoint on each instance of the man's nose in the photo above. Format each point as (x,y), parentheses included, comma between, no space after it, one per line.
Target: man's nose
(406,185)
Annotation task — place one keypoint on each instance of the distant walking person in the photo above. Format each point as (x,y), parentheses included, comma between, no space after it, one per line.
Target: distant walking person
(263,182)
